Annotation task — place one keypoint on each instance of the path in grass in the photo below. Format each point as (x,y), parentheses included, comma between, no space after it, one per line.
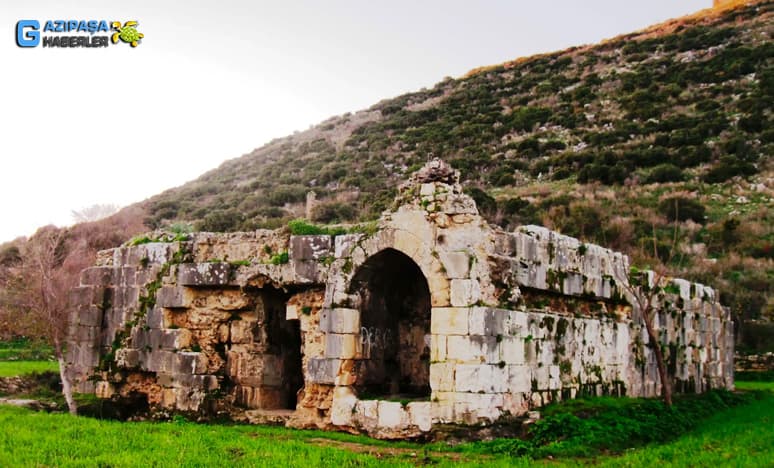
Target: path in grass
(16,368)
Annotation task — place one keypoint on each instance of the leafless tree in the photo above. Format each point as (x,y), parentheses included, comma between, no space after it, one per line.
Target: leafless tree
(39,292)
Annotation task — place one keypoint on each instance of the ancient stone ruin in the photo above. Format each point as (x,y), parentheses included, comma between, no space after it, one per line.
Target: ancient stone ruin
(429,317)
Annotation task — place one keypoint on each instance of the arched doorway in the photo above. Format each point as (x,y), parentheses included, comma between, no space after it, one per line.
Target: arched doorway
(394,304)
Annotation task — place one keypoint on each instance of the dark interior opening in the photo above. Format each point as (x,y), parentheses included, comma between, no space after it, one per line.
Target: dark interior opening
(395,327)
(283,339)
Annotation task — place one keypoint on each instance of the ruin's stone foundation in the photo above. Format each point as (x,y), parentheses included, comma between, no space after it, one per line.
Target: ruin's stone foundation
(434,318)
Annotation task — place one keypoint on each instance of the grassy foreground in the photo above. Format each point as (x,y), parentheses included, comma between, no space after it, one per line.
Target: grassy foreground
(737,436)
(14,368)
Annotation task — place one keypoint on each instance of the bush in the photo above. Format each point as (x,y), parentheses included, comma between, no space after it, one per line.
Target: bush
(727,168)
(221,221)
(333,212)
(665,173)
(682,209)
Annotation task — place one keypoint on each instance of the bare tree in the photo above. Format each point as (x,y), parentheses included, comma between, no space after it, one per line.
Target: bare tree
(646,291)
(50,271)
(94,212)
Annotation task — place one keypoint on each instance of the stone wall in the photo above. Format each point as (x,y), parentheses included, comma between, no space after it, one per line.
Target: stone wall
(432,318)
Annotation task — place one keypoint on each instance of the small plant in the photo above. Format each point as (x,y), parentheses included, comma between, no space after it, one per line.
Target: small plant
(280,259)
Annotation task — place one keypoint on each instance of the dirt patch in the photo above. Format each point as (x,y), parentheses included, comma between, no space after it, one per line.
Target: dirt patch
(420,455)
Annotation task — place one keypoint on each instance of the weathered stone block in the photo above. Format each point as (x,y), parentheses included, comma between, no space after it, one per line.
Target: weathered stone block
(437,348)
(512,350)
(367,414)
(340,320)
(420,415)
(97,276)
(127,358)
(456,264)
(473,408)
(291,312)
(90,316)
(343,407)
(449,320)
(171,296)
(342,346)
(519,378)
(204,274)
(442,377)
(484,378)
(345,243)
(309,247)
(464,292)
(472,349)
(392,416)
(322,370)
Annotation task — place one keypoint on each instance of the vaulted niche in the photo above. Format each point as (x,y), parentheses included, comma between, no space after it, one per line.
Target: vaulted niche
(395,326)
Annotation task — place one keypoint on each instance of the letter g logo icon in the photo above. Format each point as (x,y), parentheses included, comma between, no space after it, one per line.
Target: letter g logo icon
(27,33)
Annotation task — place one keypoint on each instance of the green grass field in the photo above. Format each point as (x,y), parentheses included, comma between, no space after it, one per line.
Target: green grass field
(14,368)
(716,429)
(738,436)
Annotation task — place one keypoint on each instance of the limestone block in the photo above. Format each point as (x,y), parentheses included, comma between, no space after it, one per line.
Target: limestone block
(437,348)
(492,322)
(685,288)
(127,358)
(392,416)
(307,271)
(342,346)
(519,378)
(442,407)
(504,244)
(155,317)
(340,320)
(367,414)
(343,406)
(291,312)
(419,415)
(512,350)
(515,404)
(172,296)
(465,292)
(189,362)
(484,378)
(97,276)
(90,316)
(449,320)
(310,247)
(457,264)
(344,244)
(323,371)
(472,349)
(442,377)
(204,274)
(472,408)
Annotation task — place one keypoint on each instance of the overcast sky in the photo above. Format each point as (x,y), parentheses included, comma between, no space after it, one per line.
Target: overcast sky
(213,80)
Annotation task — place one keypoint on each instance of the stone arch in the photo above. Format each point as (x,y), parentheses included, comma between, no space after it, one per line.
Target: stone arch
(393,298)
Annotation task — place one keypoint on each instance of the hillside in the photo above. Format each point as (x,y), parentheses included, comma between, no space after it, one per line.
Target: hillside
(646,141)
(610,143)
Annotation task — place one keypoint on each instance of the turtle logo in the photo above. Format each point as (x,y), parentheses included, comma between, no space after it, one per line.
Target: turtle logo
(127,33)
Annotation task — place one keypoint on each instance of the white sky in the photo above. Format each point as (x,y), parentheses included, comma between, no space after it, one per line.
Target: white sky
(214,80)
